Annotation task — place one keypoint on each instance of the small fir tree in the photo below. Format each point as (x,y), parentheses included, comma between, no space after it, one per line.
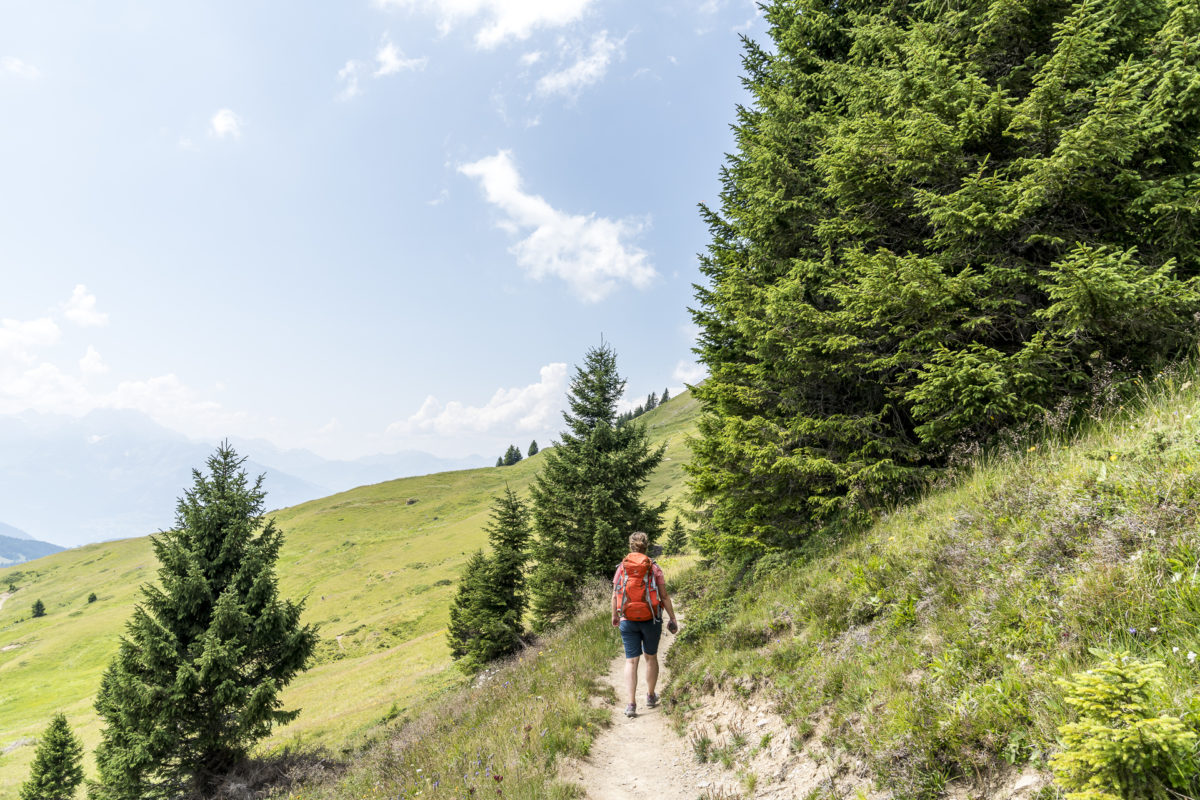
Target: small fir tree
(486,614)
(92,597)
(57,765)
(677,538)
(651,401)
(666,395)
(500,461)
(533,448)
(197,676)
(512,455)
(587,496)
(39,608)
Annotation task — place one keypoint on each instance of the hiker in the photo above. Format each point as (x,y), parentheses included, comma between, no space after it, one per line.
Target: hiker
(639,597)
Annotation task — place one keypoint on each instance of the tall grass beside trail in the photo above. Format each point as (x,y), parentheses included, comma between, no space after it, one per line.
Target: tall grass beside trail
(502,736)
(931,646)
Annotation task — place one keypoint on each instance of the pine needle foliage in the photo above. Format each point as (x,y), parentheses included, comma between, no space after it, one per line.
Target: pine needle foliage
(196,679)
(941,221)
(487,611)
(587,497)
(57,766)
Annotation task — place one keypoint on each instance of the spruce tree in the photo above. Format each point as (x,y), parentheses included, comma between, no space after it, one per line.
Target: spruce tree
(197,676)
(39,608)
(512,455)
(468,619)
(586,499)
(57,765)
(940,221)
(666,395)
(533,448)
(487,610)
(677,539)
(651,401)
(500,461)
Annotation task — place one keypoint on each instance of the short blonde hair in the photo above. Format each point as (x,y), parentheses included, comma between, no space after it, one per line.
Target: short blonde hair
(638,542)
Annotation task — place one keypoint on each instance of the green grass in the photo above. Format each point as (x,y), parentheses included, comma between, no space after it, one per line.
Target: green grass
(377,573)
(931,644)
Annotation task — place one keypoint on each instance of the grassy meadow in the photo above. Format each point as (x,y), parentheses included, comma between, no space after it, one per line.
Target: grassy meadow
(930,646)
(377,571)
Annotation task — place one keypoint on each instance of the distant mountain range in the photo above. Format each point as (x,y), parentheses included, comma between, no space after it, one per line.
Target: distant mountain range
(115,474)
(17,546)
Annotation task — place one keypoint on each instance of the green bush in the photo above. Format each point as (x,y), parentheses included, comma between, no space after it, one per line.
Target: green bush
(1123,747)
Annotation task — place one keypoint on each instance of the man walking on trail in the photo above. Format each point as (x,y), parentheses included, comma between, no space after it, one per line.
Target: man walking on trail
(639,597)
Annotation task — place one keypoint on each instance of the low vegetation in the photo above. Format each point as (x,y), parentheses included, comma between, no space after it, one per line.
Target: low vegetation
(503,735)
(957,634)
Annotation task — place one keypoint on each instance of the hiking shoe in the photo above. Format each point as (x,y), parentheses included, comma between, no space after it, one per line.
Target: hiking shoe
(651,700)
(631,710)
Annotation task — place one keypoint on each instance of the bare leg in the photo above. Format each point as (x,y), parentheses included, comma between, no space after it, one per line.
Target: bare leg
(651,673)
(631,666)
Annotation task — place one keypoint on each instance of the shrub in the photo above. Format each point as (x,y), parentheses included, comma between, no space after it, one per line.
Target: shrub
(1123,747)
(38,608)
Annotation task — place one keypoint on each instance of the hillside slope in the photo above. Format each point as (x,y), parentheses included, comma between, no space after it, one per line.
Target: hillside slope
(924,654)
(377,566)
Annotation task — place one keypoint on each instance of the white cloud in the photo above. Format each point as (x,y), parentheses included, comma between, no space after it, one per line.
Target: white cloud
(588,68)
(391,60)
(225,124)
(529,59)
(19,340)
(92,363)
(592,254)
(689,372)
(526,409)
(348,75)
(81,309)
(502,20)
(15,66)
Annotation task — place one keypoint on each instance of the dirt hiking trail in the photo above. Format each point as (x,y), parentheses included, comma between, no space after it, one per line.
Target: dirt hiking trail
(641,757)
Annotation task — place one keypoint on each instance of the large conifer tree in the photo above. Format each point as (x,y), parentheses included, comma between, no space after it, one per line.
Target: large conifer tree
(197,677)
(57,765)
(941,220)
(587,497)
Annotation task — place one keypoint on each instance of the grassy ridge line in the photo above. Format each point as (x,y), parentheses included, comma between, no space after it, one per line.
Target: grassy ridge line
(931,645)
(377,572)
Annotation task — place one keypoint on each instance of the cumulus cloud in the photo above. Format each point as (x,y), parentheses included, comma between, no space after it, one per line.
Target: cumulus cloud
(11,65)
(524,409)
(225,125)
(689,372)
(589,67)
(81,309)
(32,379)
(592,254)
(500,20)
(391,60)
(21,339)
(92,363)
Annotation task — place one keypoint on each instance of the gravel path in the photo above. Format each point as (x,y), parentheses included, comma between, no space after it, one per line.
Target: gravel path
(641,757)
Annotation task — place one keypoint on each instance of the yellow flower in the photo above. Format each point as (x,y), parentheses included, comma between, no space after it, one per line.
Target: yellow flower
(1113,457)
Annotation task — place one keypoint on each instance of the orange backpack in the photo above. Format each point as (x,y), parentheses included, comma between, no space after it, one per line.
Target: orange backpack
(640,601)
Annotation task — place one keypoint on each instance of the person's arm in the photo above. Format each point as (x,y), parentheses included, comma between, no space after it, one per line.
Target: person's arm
(616,609)
(673,624)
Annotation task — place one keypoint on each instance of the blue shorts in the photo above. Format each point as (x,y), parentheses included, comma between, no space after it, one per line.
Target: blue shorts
(640,637)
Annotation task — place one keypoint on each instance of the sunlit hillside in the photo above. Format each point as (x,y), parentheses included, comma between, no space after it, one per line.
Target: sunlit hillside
(377,567)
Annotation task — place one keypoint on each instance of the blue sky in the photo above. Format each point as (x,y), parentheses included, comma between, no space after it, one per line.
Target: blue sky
(356,227)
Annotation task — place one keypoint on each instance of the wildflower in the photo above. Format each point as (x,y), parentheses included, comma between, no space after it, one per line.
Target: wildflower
(1191,656)
(1031,448)
(1154,630)
(1113,457)
(1174,649)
